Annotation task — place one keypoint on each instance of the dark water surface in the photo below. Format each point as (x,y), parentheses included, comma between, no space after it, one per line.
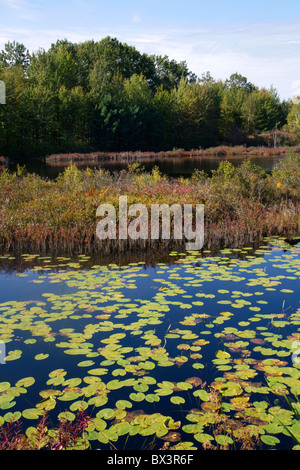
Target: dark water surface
(170,166)
(173,351)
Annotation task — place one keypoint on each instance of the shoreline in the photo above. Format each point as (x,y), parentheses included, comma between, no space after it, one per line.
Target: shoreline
(68,243)
(18,261)
(220,151)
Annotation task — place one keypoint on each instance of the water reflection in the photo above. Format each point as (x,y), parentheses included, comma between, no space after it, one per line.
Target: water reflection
(170,166)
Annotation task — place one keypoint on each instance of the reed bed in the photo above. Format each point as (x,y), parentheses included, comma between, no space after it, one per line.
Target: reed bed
(220,151)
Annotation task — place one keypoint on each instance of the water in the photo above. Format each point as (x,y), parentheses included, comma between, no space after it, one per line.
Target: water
(151,351)
(170,166)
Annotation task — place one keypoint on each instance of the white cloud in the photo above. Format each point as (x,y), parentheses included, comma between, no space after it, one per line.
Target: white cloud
(34,40)
(255,52)
(252,50)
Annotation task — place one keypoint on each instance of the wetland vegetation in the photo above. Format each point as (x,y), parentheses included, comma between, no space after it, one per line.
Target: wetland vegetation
(242,204)
(91,344)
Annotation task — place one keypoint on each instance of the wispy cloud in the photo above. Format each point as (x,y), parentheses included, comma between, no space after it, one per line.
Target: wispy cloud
(14,4)
(40,39)
(265,53)
(261,52)
(21,8)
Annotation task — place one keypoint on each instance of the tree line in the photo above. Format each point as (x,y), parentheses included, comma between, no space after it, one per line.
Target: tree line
(108,96)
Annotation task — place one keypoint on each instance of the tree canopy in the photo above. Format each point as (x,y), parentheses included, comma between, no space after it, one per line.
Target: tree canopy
(107,95)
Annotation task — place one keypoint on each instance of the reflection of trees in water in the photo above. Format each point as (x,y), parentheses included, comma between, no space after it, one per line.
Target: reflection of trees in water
(56,262)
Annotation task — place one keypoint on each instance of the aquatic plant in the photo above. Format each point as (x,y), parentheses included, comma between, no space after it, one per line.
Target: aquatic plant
(68,435)
(207,338)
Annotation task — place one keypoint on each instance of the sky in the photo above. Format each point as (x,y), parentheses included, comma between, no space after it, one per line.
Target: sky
(258,39)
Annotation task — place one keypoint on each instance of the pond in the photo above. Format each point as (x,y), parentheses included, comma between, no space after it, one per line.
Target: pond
(198,351)
(170,166)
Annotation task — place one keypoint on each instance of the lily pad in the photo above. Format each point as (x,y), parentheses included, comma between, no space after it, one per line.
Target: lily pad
(41,356)
(32,413)
(269,440)
(177,400)
(223,440)
(123,404)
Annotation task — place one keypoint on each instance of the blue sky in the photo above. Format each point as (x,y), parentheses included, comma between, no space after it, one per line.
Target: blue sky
(259,39)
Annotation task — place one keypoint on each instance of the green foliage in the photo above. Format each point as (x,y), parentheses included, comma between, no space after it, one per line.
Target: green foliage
(107,95)
(13,54)
(286,174)
(225,171)
(293,118)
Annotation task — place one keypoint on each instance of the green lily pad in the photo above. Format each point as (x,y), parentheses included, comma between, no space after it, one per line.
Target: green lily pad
(99,424)
(32,413)
(106,413)
(98,401)
(79,405)
(177,400)
(98,371)
(41,357)
(202,394)
(86,363)
(11,417)
(269,440)
(13,355)
(203,437)
(4,386)
(25,382)
(152,398)
(139,396)
(6,405)
(66,416)
(223,440)
(123,404)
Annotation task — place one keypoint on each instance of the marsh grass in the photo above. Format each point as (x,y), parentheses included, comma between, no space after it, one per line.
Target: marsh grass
(133,156)
(242,205)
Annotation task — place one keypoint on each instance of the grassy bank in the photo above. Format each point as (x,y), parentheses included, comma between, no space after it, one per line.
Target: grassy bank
(220,151)
(242,205)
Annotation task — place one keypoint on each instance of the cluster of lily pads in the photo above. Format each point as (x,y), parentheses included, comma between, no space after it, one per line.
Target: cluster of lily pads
(193,354)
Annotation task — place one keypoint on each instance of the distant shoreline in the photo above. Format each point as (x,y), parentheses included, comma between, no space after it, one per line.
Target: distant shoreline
(62,158)
(221,151)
